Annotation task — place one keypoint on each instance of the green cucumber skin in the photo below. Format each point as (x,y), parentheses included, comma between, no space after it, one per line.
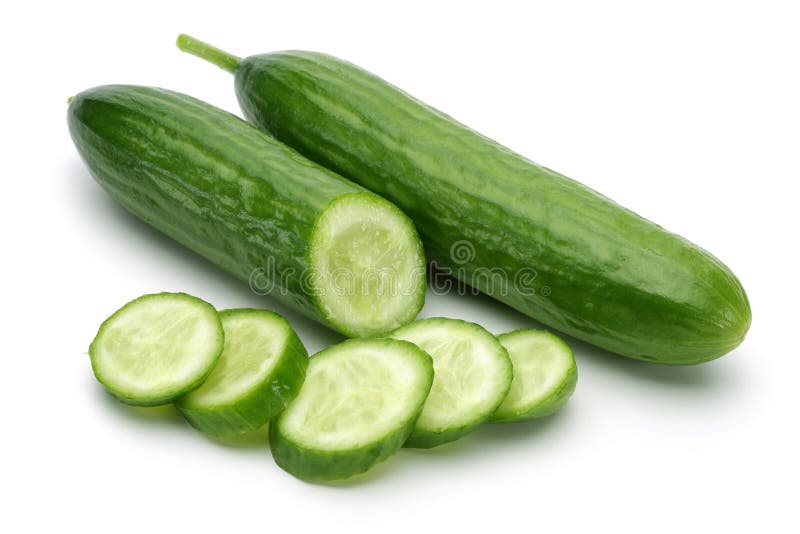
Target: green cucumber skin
(314,465)
(603,274)
(426,439)
(209,180)
(262,403)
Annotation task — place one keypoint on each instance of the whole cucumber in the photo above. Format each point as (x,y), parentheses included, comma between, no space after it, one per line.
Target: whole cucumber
(321,244)
(570,257)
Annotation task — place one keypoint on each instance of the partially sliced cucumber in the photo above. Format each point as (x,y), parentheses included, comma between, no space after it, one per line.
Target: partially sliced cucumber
(368,266)
(157,348)
(472,376)
(545,375)
(260,370)
(356,407)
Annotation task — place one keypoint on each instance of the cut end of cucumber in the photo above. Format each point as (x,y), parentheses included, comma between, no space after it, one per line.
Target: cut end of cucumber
(157,347)
(356,407)
(260,370)
(368,266)
(472,375)
(545,375)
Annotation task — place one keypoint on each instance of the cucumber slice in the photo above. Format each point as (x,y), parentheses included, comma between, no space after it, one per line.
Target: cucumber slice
(472,377)
(545,375)
(367,265)
(260,370)
(356,408)
(157,348)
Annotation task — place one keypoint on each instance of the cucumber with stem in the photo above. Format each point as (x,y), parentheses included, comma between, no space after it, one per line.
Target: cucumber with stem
(356,407)
(290,228)
(261,369)
(545,375)
(472,376)
(157,348)
(530,237)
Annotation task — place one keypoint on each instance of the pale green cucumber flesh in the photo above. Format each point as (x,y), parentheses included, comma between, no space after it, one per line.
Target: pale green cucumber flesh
(545,375)
(356,407)
(367,266)
(157,348)
(260,370)
(472,376)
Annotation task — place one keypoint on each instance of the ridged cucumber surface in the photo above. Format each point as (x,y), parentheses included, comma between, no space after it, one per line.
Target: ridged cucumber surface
(291,228)
(567,256)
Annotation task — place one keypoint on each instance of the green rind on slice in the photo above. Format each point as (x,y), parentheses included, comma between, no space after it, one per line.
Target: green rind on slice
(157,348)
(545,375)
(472,377)
(367,266)
(260,370)
(356,408)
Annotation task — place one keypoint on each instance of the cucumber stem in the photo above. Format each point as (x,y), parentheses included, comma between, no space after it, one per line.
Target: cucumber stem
(212,54)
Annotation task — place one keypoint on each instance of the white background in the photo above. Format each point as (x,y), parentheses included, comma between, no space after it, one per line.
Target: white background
(686,112)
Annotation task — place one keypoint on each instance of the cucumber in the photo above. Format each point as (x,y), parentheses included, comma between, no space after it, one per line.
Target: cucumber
(472,376)
(157,348)
(545,375)
(260,370)
(356,408)
(530,237)
(320,244)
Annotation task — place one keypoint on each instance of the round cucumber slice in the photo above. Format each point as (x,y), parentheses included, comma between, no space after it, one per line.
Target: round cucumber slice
(472,375)
(356,408)
(545,375)
(157,348)
(368,266)
(260,370)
